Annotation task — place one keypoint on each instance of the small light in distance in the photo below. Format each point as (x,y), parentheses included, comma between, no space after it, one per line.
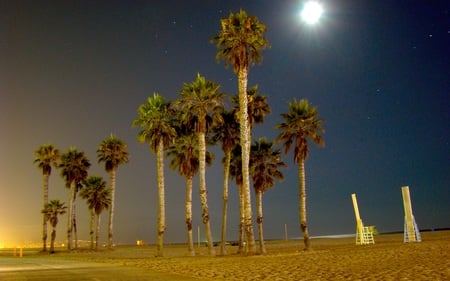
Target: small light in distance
(311,12)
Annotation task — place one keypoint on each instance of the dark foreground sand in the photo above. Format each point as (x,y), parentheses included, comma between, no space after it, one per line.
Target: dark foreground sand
(331,259)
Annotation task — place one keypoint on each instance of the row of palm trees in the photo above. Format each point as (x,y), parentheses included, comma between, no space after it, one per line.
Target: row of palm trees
(184,127)
(74,167)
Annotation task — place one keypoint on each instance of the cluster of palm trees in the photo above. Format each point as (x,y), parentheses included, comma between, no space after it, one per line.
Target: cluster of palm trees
(182,129)
(74,166)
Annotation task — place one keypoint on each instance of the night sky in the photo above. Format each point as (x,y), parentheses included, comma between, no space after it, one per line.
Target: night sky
(73,72)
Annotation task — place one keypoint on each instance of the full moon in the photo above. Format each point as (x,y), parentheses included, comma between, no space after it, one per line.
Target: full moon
(311,12)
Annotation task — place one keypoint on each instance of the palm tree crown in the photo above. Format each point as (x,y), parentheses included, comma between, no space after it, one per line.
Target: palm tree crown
(301,123)
(74,166)
(97,196)
(265,162)
(52,210)
(46,156)
(154,117)
(113,152)
(240,41)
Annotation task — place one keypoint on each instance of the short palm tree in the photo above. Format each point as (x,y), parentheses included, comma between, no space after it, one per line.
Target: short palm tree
(155,119)
(301,123)
(51,212)
(113,152)
(240,43)
(228,135)
(74,167)
(46,157)
(265,164)
(201,105)
(184,156)
(98,198)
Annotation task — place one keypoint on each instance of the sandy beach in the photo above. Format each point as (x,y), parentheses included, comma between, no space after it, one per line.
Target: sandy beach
(331,259)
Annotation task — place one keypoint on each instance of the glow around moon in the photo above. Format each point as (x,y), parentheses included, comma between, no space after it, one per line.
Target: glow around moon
(311,12)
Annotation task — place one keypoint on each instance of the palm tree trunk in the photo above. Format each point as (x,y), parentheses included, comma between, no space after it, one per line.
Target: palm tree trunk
(245,144)
(44,222)
(188,215)
(241,248)
(69,216)
(52,243)
(112,180)
(226,172)
(91,228)
(74,220)
(262,247)
(161,199)
(302,203)
(203,192)
(97,231)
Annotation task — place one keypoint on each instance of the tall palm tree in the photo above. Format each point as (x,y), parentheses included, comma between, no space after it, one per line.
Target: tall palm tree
(51,212)
(155,119)
(98,198)
(45,157)
(113,152)
(74,167)
(301,123)
(185,159)
(201,104)
(265,162)
(228,135)
(240,43)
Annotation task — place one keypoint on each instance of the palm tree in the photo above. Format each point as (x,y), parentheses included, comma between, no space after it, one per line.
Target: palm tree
(98,198)
(45,157)
(154,117)
(201,104)
(301,123)
(265,162)
(240,43)
(74,167)
(228,135)
(51,212)
(113,152)
(185,159)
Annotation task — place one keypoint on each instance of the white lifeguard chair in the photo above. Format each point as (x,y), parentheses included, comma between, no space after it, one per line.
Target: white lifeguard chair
(364,235)
(411,232)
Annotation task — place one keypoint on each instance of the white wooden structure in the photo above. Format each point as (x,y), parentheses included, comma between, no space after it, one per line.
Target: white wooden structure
(412,233)
(363,234)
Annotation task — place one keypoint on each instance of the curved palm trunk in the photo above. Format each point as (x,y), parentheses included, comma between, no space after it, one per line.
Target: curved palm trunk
(203,193)
(226,172)
(245,144)
(112,180)
(91,228)
(44,219)
(161,199)
(188,216)
(262,247)
(70,216)
(97,231)
(302,203)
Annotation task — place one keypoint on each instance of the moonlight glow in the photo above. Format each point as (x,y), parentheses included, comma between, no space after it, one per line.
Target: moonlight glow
(311,12)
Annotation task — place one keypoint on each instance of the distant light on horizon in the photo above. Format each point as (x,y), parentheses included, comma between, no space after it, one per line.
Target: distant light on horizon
(311,12)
